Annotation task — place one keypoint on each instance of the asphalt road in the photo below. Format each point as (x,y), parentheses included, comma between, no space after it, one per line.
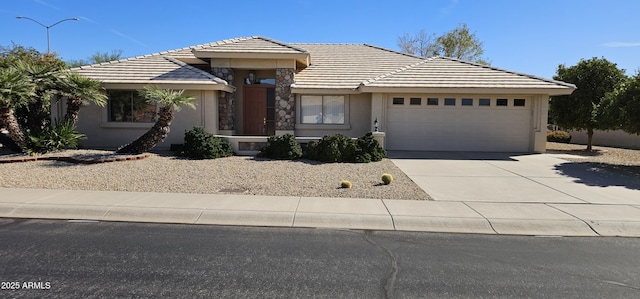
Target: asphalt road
(59,259)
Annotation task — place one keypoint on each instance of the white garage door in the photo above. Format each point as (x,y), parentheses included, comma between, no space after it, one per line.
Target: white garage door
(459,124)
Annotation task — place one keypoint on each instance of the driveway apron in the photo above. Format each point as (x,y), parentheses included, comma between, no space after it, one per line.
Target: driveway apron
(515,178)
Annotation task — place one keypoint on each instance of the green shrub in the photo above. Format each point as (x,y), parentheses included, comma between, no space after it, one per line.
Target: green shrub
(331,148)
(57,136)
(387,178)
(340,148)
(559,136)
(369,149)
(283,147)
(311,151)
(200,144)
(345,184)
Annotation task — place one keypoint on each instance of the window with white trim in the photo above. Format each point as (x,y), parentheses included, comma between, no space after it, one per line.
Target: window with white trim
(129,106)
(322,109)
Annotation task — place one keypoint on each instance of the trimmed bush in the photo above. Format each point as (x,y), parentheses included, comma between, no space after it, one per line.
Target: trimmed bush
(340,148)
(200,144)
(283,147)
(369,149)
(346,184)
(387,178)
(559,136)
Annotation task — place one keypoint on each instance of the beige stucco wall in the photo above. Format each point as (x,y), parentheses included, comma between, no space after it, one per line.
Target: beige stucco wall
(539,117)
(358,123)
(111,135)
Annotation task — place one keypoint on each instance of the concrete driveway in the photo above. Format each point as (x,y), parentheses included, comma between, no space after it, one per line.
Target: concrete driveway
(514,178)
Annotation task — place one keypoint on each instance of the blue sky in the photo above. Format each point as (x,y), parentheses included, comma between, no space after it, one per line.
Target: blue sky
(531,37)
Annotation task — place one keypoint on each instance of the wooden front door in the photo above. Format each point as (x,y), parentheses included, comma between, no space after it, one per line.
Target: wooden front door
(258,110)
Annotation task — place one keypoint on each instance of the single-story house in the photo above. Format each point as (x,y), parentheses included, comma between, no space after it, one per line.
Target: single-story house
(248,88)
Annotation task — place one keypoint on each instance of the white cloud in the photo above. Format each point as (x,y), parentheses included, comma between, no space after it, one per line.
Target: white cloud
(88,20)
(621,44)
(128,37)
(46,4)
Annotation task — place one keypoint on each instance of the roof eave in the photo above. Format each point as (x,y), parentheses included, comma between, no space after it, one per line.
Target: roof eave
(323,90)
(251,55)
(470,90)
(186,85)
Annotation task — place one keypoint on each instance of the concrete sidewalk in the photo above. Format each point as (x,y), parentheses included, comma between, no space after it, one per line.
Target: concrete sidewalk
(535,218)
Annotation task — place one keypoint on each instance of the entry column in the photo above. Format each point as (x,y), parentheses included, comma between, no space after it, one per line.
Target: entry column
(226,102)
(285,101)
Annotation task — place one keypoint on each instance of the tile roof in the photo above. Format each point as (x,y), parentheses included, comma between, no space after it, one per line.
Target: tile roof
(356,67)
(444,72)
(254,44)
(346,66)
(156,68)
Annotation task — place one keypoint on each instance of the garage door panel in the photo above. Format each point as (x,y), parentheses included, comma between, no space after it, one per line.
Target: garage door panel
(458,129)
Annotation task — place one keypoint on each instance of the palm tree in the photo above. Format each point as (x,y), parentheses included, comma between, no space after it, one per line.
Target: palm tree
(36,115)
(79,90)
(168,101)
(15,90)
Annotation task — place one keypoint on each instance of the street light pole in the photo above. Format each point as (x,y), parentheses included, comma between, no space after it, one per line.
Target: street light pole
(47,27)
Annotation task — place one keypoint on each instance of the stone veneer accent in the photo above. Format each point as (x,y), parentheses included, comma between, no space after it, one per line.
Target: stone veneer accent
(285,100)
(226,102)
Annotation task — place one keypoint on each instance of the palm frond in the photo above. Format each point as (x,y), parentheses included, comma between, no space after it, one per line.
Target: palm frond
(167,97)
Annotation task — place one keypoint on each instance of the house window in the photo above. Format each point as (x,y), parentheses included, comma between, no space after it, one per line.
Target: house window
(322,109)
(415,101)
(449,101)
(518,102)
(484,102)
(502,102)
(129,106)
(398,101)
(432,101)
(467,102)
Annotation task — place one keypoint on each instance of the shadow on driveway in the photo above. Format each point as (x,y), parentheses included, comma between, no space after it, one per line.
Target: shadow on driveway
(601,175)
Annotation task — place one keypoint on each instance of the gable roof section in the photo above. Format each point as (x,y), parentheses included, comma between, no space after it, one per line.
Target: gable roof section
(255,47)
(346,66)
(439,74)
(152,69)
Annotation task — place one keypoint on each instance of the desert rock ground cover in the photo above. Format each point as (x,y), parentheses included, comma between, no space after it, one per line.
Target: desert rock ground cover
(243,175)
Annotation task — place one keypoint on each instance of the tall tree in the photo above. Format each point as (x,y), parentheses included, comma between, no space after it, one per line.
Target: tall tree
(79,90)
(15,90)
(10,55)
(97,57)
(168,101)
(594,78)
(41,70)
(36,115)
(458,43)
(622,106)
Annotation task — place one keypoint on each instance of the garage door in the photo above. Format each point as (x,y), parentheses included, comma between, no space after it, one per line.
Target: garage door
(459,124)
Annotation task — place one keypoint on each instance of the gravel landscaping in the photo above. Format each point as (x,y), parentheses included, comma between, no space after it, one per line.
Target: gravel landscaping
(160,172)
(237,175)
(617,159)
